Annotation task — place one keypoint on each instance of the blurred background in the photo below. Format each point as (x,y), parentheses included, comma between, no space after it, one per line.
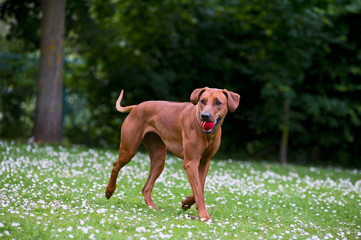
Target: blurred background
(296,65)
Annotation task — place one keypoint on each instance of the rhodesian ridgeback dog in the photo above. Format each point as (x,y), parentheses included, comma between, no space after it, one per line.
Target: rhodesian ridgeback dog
(190,130)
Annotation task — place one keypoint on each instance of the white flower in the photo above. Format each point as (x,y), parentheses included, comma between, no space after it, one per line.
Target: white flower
(71,236)
(1,224)
(314,237)
(15,224)
(101,211)
(140,229)
(69,229)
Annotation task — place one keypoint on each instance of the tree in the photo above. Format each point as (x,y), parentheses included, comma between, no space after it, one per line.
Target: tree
(295,63)
(48,114)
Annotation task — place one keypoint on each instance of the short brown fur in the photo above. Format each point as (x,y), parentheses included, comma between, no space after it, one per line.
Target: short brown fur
(163,125)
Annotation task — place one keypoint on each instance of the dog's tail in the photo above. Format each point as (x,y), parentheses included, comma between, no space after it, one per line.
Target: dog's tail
(123,109)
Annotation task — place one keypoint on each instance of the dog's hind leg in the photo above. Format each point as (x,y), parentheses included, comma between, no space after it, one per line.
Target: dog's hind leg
(157,153)
(124,157)
(130,142)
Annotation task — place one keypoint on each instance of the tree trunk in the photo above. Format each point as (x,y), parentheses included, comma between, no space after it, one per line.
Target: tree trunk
(285,132)
(48,113)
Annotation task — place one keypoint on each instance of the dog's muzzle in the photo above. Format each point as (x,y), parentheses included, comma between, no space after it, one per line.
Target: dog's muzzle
(209,127)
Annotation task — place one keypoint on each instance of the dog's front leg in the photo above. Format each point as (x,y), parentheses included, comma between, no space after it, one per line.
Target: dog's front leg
(191,167)
(203,170)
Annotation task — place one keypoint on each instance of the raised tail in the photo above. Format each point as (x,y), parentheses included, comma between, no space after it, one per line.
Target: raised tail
(123,109)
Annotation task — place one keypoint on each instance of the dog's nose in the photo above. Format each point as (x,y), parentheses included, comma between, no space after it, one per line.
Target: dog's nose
(205,116)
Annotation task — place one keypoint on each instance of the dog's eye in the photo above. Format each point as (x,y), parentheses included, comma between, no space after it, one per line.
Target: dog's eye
(218,102)
(203,101)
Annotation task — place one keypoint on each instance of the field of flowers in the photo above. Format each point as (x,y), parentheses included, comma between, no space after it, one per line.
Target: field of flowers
(52,192)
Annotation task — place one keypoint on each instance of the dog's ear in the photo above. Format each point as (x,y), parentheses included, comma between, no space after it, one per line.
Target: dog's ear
(196,94)
(232,100)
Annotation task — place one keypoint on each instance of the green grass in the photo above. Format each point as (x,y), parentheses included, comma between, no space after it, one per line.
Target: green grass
(49,192)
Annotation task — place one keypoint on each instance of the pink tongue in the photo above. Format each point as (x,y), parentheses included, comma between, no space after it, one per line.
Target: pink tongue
(207,125)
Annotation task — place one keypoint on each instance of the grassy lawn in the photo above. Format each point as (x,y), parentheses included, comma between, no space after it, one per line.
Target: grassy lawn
(49,192)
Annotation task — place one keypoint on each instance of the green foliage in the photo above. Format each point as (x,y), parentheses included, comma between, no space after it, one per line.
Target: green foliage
(16,94)
(23,19)
(304,52)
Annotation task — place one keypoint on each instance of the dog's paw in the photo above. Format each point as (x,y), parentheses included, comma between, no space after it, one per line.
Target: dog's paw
(205,217)
(109,192)
(185,207)
(187,203)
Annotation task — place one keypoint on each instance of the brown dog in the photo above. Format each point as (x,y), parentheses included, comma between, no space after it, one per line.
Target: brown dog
(191,131)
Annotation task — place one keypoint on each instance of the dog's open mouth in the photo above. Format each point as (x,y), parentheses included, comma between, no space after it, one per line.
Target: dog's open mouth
(208,127)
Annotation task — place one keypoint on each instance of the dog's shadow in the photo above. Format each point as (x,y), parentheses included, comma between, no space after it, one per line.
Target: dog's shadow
(136,206)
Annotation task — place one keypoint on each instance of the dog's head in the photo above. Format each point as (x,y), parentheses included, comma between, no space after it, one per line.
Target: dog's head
(213,105)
